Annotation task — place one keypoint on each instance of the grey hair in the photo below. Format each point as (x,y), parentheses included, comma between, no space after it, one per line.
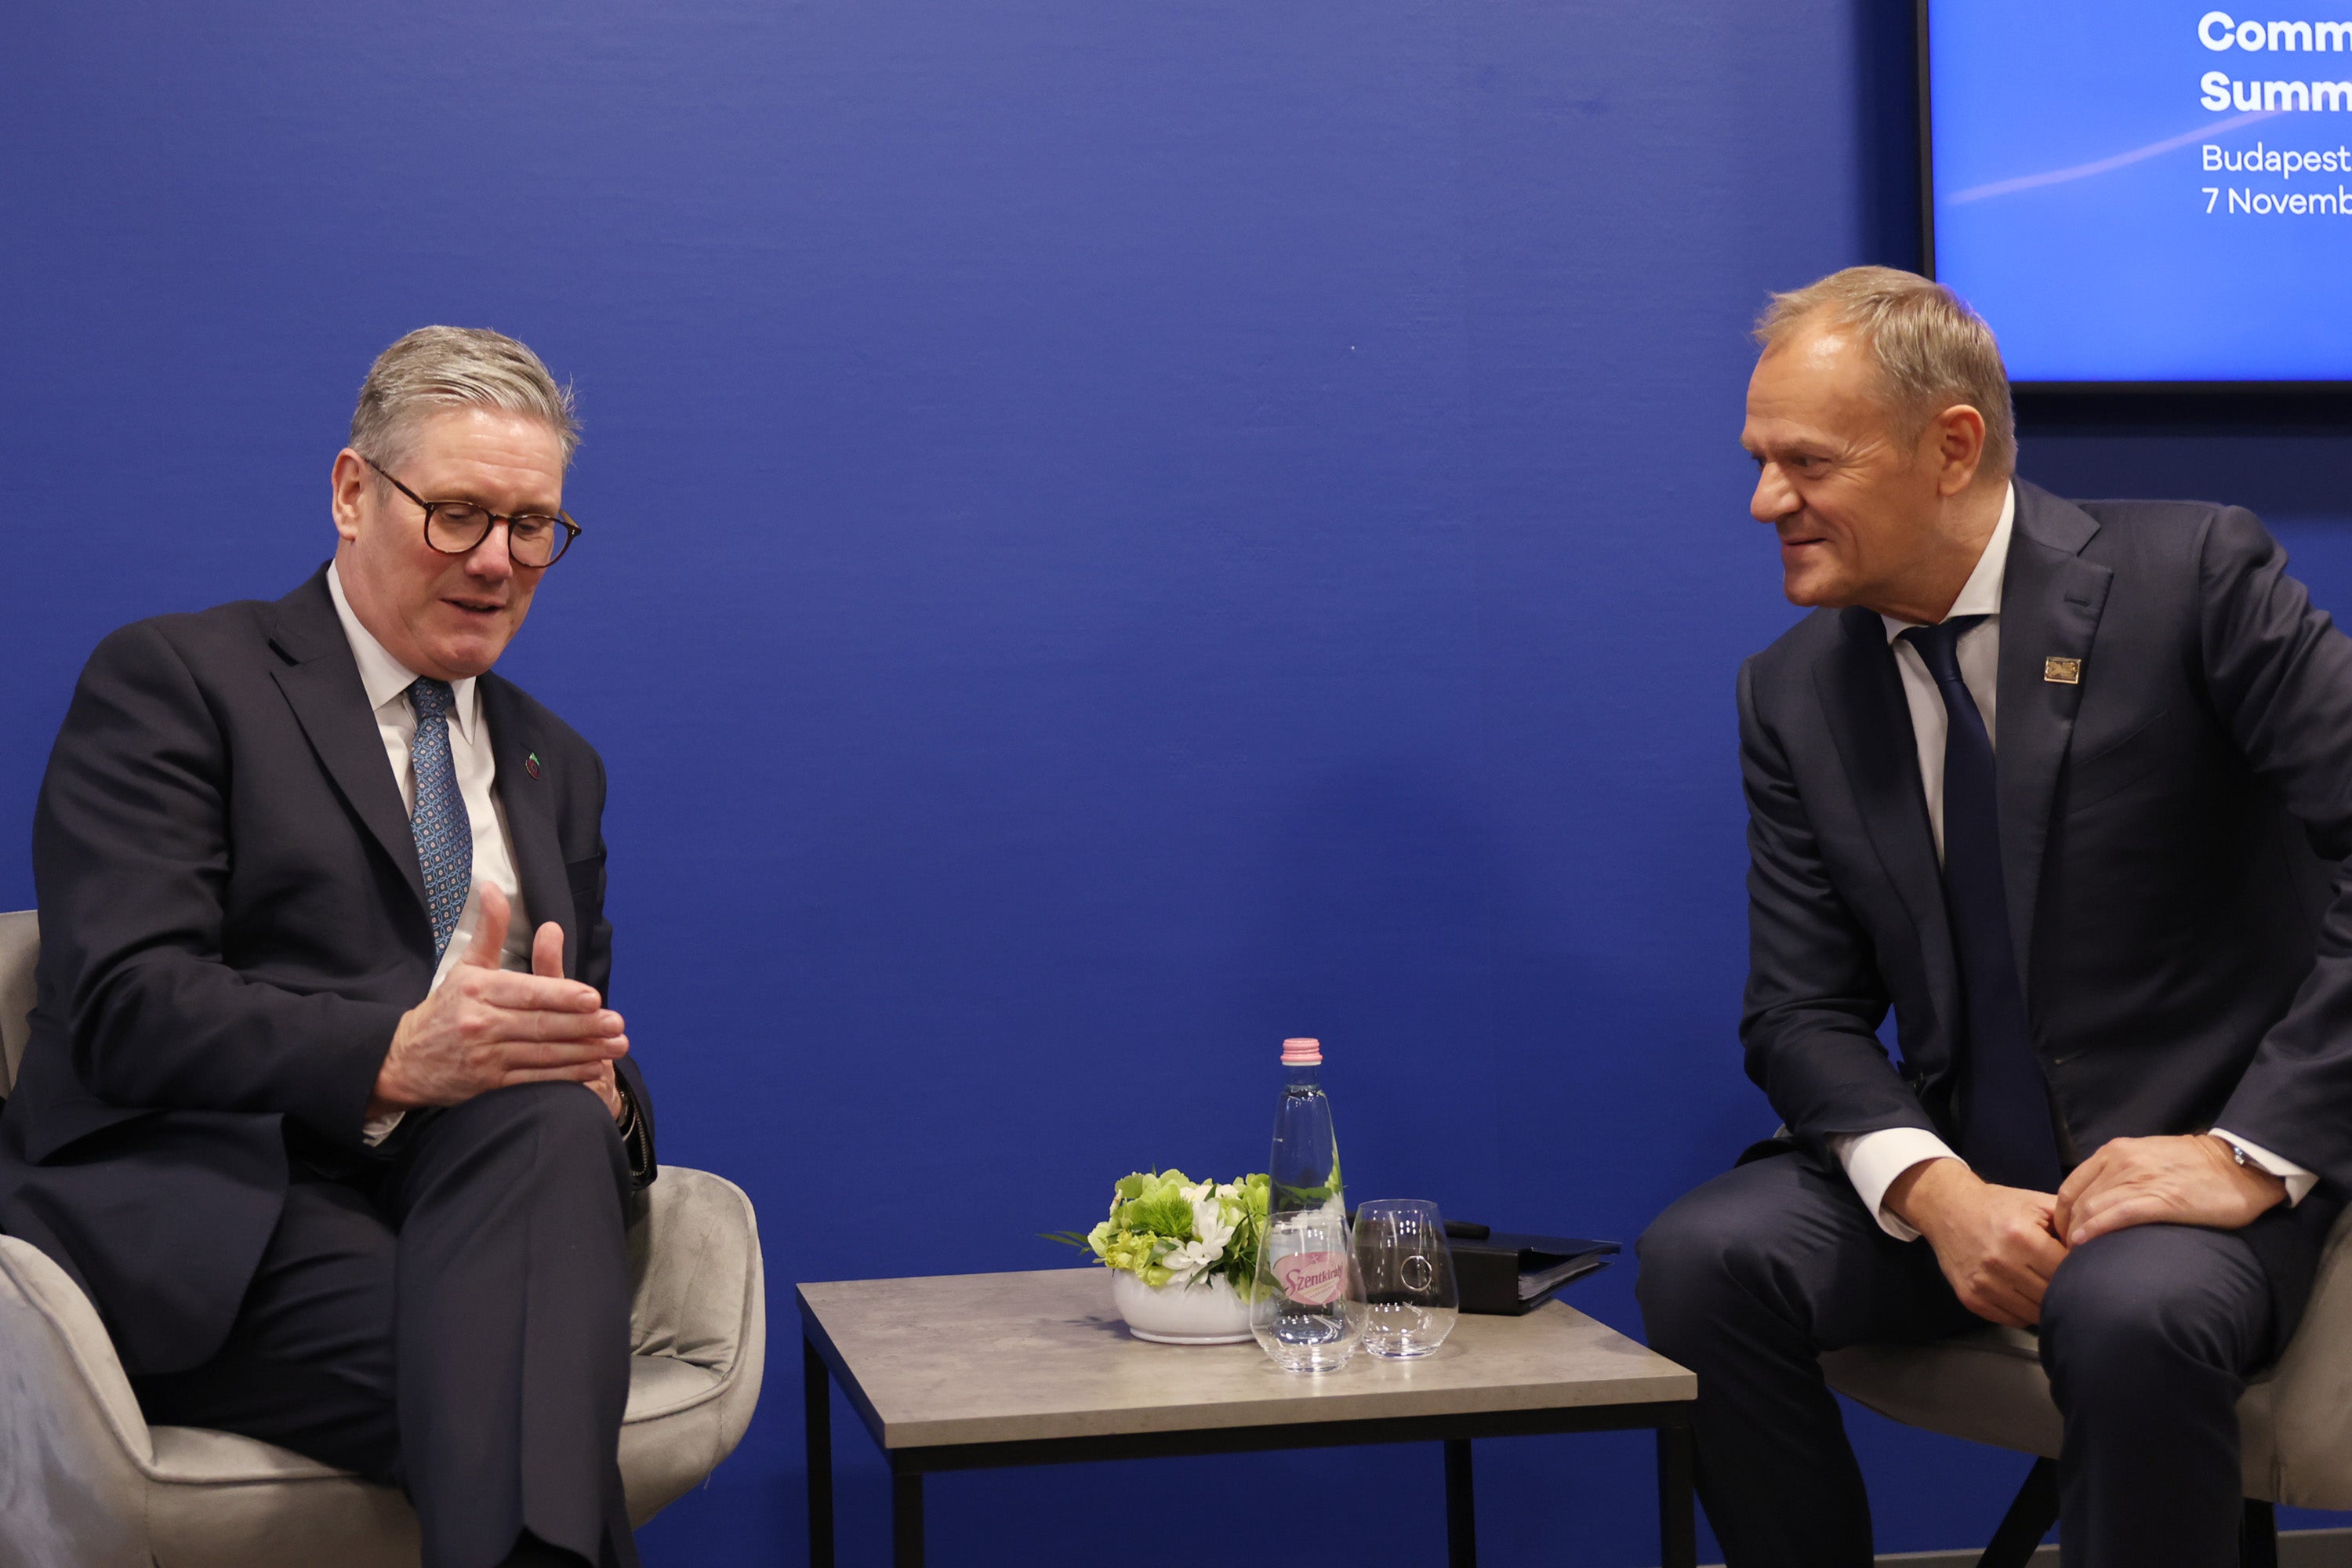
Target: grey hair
(437,368)
(1932,350)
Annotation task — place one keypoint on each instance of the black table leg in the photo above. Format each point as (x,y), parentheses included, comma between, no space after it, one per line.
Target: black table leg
(816,1397)
(906,1518)
(1677,1523)
(1460,1507)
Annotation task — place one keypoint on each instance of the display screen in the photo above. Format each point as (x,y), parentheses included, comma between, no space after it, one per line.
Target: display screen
(2141,190)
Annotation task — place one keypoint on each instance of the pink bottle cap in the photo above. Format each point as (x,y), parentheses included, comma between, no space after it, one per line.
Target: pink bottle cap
(1302,1053)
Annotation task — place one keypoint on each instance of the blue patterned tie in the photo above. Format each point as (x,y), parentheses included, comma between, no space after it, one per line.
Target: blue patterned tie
(2006,1133)
(444,836)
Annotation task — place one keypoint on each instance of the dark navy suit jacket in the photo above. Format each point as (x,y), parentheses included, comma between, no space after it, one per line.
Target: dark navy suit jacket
(233,921)
(2175,830)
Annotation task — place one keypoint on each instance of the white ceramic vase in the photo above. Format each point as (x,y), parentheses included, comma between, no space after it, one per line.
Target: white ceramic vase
(1204,1313)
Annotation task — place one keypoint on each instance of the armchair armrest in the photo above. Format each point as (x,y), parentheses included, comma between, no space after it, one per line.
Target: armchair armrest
(698,1293)
(698,1334)
(2310,1447)
(73,1445)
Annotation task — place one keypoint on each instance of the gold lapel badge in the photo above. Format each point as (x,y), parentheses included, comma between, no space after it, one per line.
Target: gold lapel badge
(2062,671)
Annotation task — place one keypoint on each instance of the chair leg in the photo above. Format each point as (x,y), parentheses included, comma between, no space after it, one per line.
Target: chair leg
(2029,1519)
(2258,1536)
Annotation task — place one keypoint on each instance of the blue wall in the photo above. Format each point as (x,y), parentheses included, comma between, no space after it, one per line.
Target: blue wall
(1115,534)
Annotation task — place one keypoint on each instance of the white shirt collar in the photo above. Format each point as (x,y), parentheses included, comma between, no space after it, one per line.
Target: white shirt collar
(1980,595)
(385,678)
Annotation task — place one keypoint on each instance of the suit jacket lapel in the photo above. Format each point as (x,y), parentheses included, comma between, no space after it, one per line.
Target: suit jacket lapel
(2050,604)
(321,681)
(1862,693)
(530,814)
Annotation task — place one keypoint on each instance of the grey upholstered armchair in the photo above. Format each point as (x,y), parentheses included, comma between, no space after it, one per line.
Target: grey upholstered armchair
(2294,1422)
(85,1481)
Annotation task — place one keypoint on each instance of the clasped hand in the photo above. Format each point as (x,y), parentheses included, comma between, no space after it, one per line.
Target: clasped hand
(1996,1246)
(484,1028)
(1999,1246)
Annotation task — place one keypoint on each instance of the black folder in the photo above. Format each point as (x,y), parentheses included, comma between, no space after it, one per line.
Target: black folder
(1509,1274)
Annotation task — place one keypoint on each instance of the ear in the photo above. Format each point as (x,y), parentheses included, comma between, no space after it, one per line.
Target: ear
(347,492)
(1956,445)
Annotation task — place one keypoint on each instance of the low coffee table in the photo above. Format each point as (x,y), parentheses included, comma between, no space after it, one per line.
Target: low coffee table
(977,1372)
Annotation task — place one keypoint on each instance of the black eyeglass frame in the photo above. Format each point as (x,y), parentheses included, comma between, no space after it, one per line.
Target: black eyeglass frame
(571,529)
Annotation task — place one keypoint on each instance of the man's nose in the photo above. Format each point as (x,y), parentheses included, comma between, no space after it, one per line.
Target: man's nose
(490,558)
(1775,497)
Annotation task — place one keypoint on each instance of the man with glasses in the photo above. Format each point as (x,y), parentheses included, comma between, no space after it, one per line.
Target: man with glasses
(323,1105)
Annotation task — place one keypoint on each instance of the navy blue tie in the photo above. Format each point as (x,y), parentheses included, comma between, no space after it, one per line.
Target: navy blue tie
(2006,1134)
(445,834)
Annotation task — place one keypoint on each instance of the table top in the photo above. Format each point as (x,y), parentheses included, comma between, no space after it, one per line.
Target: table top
(996,1358)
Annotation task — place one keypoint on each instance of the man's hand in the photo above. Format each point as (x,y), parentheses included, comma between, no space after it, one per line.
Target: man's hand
(547,959)
(485,1028)
(2189,1180)
(1996,1245)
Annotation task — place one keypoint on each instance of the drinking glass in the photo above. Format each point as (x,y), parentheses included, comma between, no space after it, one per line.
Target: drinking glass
(1408,1276)
(1308,1308)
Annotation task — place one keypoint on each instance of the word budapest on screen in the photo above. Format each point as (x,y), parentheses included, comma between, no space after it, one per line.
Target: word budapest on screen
(2133,190)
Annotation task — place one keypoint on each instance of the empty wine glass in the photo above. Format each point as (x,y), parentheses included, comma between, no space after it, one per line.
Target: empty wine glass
(1408,1273)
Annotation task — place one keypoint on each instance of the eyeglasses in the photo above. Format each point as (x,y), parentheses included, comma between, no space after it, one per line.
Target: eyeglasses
(457,527)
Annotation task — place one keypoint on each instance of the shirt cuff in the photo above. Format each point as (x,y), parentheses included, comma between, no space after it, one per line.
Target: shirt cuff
(2299,1182)
(376,1129)
(1873,1160)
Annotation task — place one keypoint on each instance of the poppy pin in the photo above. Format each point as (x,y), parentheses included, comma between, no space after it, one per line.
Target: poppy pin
(530,765)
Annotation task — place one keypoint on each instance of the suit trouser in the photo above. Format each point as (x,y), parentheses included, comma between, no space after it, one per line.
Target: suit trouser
(452,1317)
(2148,1335)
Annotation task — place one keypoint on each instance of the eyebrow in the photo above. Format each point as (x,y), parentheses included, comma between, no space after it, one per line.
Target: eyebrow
(1808,444)
(464,497)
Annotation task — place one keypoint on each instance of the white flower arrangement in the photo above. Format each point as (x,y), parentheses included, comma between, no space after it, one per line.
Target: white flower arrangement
(1168,1230)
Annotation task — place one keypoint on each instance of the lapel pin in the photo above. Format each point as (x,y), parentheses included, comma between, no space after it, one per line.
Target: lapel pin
(530,763)
(2057,671)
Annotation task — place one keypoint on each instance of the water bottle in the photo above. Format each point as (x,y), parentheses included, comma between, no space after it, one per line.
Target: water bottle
(1308,1307)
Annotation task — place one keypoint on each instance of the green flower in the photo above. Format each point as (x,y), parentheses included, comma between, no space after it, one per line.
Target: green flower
(1154,1202)
(1254,1191)
(1161,1214)
(1165,1228)
(1133,1187)
(1118,1250)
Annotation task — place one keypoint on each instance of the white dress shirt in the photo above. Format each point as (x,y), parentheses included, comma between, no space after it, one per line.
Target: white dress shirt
(1873,1160)
(387,681)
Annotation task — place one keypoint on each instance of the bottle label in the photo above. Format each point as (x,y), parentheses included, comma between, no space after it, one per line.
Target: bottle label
(1313,1279)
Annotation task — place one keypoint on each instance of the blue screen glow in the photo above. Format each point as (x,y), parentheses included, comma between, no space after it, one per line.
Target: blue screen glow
(2130,190)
